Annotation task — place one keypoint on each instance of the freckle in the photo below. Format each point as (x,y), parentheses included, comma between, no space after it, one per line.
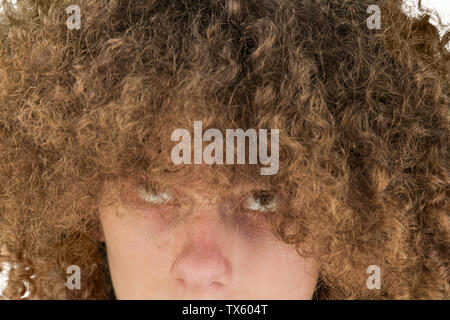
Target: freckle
(163,245)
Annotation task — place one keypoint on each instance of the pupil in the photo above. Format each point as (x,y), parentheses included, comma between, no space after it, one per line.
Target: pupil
(264,197)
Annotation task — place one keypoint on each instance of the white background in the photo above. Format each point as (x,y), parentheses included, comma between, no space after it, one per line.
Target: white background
(443,8)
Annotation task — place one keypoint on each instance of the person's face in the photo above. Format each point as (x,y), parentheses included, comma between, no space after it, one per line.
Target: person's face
(186,243)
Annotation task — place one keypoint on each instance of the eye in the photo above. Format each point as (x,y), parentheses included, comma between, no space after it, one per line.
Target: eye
(154,195)
(262,201)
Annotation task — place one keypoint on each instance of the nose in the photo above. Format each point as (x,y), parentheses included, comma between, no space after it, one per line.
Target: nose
(200,268)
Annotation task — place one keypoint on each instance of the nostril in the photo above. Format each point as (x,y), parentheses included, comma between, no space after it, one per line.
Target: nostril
(217,285)
(180,282)
(212,285)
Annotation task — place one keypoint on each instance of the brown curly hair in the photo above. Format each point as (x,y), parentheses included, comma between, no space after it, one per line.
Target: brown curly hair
(363,119)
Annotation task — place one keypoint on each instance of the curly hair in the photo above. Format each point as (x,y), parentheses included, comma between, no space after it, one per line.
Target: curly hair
(363,118)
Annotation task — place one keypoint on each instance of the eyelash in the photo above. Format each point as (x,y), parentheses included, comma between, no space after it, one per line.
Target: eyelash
(254,202)
(155,196)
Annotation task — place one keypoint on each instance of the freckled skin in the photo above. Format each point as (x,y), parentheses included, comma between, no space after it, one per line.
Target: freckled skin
(197,251)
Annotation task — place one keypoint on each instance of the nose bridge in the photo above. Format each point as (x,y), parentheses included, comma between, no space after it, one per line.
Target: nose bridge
(204,227)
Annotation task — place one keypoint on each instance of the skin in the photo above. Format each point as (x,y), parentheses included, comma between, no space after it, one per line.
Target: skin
(198,248)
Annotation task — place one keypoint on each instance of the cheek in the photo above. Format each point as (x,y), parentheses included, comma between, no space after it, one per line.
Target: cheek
(136,235)
(276,271)
(138,255)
